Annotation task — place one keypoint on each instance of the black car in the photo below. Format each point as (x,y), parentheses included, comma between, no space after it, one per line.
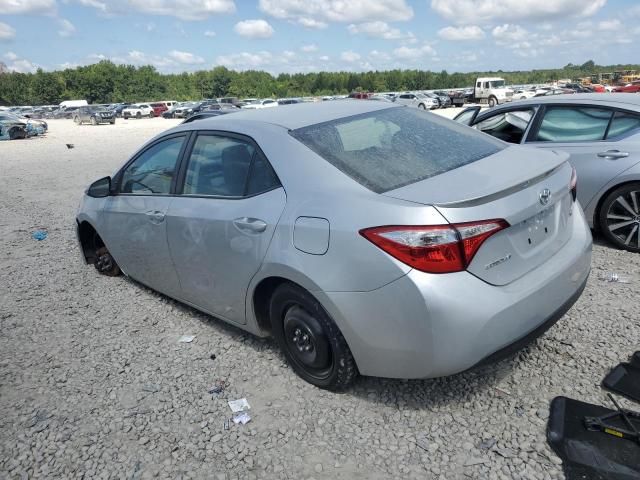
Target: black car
(94,115)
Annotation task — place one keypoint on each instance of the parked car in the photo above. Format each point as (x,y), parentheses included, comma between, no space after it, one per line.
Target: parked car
(578,88)
(32,127)
(601,133)
(138,110)
(259,104)
(170,113)
(11,128)
(119,107)
(184,109)
(94,115)
(360,95)
(554,91)
(418,100)
(158,109)
(523,94)
(443,98)
(64,112)
(360,266)
(633,87)
(288,101)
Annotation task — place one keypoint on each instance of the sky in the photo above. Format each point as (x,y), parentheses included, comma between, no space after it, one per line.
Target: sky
(312,35)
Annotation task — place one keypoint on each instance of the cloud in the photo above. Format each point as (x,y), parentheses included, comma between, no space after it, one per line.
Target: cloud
(506,34)
(185,58)
(379,29)
(182,9)
(66,28)
(20,65)
(311,23)
(609,25)
(210,33)
(480,11)
(349,56)
(405,52)
(470,32)
(7,32)
(26,7)
(309,48)
(320,12)
(254,29)
(324,58)
(245,60)
(94,4)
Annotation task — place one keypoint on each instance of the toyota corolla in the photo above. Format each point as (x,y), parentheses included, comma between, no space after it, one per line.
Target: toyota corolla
(366,237)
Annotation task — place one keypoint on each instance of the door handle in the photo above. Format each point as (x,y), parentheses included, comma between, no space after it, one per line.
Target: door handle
(613,154)
(155,216)
(251,225)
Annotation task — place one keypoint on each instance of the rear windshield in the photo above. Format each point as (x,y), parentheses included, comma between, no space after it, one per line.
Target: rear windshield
(394,147)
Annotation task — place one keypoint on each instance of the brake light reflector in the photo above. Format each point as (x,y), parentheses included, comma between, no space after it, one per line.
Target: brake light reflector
(573,183)
(434,248)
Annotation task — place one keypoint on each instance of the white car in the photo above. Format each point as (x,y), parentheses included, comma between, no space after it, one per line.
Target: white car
(138,110)
(418,100)
(523,94)
(266,103)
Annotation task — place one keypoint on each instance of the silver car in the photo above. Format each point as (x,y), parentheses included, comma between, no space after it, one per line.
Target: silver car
(364,236)
(601,134)
(422,101)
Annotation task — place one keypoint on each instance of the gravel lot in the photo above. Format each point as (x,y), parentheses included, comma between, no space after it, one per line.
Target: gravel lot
(93,383)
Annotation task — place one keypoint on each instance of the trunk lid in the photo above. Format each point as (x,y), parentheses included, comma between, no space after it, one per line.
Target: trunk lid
(510,185)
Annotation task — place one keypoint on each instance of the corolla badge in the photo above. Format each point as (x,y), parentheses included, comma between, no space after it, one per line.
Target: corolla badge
(544,196)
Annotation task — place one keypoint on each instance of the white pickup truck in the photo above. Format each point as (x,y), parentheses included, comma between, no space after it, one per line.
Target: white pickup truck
(138,110)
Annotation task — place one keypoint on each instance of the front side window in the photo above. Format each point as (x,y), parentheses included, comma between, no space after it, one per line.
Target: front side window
(152,172)
(623,122)
(218,166)
(387,149)
(508,126)
(573,124)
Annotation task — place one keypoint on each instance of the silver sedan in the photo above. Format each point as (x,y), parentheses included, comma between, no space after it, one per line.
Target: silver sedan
(365,237)
(601,133)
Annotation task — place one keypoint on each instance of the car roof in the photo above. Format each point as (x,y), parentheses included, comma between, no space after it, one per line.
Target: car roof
(610,99)
(300,115)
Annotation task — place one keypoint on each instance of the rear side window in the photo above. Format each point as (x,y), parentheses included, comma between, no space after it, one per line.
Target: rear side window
(390,148)
(622,123)
(573,124)
(227,167)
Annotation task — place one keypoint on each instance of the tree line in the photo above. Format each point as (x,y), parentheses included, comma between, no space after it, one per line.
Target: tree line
(106,82)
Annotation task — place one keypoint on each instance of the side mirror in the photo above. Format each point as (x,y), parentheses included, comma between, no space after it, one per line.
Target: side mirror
(100,188)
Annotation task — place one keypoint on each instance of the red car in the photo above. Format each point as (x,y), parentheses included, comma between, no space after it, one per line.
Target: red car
(158,108)
(629,88)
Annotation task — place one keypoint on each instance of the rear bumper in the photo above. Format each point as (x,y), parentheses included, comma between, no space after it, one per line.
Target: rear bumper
(424,325)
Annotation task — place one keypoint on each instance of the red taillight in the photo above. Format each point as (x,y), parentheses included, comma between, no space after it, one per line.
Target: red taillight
(434,248)
(573,183)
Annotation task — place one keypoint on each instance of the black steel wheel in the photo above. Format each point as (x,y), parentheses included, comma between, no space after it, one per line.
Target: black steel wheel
(620,217)
(310,340)
(105,263)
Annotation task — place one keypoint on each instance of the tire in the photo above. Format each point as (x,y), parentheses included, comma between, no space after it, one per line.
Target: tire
(310,340)
(94,121)
(138,115)
(614,212)
(105,263)
(16,133)
(112,122)
(422,107)
(77,120)
(151,115)
(493,101)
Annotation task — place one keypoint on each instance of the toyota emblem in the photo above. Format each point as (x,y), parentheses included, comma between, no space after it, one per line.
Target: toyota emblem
(545,195)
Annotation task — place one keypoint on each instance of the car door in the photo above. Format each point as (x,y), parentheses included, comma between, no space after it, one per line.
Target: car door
(221,223)
(509,124)
(134,225)
(595,139)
